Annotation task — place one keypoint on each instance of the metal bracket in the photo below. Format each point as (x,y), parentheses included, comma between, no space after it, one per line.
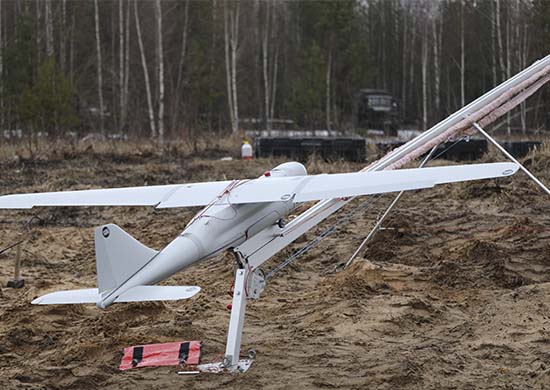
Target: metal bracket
(256,283)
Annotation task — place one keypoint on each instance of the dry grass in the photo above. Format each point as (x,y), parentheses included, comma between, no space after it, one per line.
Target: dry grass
(66,148)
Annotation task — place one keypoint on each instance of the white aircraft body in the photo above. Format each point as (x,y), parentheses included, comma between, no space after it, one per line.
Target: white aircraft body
(235,212)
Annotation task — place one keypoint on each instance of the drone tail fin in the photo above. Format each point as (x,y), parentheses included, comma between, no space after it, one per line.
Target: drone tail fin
(118,256)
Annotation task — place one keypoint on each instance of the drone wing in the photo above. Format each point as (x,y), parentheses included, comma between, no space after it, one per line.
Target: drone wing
(300,188)
(196,194)
(328,186)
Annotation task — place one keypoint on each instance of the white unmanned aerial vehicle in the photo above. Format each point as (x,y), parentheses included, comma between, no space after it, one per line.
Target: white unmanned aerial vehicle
(239,216)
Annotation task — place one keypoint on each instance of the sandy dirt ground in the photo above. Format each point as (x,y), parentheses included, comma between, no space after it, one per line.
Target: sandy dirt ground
(453,294)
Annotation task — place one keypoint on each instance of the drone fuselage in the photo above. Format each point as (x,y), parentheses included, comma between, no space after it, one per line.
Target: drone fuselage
(216,228)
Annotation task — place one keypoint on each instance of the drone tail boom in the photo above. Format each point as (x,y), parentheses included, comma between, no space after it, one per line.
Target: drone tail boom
(118,256)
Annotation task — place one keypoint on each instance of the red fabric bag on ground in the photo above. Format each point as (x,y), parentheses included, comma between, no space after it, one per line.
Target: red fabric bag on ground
(168,354)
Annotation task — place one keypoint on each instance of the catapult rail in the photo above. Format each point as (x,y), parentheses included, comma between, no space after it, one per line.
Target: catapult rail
(268,242)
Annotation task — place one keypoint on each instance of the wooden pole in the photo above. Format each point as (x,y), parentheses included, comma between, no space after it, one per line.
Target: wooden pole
(17,281)
(17,273)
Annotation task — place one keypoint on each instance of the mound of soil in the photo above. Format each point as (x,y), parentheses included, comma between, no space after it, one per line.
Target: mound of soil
(477,264)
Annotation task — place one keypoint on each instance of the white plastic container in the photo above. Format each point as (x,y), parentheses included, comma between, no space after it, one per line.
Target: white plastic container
(246,151)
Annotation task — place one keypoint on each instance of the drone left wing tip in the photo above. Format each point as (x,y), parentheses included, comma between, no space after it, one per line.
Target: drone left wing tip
(12,202)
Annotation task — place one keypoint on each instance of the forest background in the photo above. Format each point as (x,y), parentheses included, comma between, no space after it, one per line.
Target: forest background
(177,69)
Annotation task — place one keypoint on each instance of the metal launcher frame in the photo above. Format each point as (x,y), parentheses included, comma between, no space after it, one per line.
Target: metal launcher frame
(258,249)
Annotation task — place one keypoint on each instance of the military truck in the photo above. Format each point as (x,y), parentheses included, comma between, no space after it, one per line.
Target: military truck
(377,109)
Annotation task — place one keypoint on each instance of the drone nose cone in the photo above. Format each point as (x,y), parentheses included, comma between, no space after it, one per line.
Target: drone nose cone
(291,168)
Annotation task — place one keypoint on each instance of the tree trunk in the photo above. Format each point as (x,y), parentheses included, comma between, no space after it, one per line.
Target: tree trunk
(160,61)
(228,71)
(63,37)
(328,86)
(522,66)
(274,83)
(49,28)
(499,40)
(2,113)
(99,68)
(508,65)
(493,43)
(425,78)
(179,80)
(113,71)
(38,31)
(231,32)
(462,62)
(234,45)
(145,74)
(71,48)
(265,65)
(412,57)
(126,66)
(383,43)
(404,54)
(121,62)
(436,32)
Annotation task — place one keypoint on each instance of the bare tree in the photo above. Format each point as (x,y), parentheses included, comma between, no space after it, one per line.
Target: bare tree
(437,47)
(160,66)
(274,83)
(126,67)
(2,111)
(508,64)
(231,13)
(412,51)
(38,30)
(71,47)
(99,68)
(179,79)
(499,39)
(265,63)
(462,57)
(493,43)
(63,36)
(121,61)
(404,53)
(49,28)
(328,80)
(523,44)
(145,74)
(425,78)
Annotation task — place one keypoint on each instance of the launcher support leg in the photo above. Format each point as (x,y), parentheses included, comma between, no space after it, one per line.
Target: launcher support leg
(236,322)
(505,152)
